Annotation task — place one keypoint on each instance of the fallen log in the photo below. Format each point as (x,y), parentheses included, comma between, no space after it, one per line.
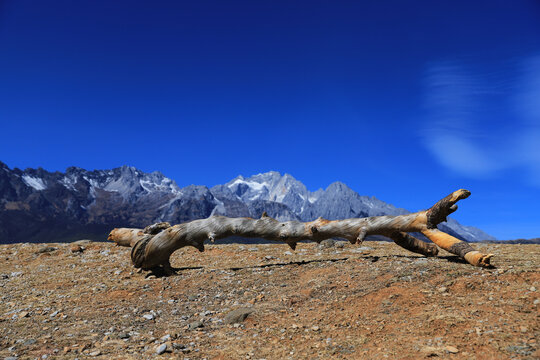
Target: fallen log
(153,245)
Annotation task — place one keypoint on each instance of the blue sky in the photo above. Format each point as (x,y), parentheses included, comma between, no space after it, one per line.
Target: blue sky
(406,101)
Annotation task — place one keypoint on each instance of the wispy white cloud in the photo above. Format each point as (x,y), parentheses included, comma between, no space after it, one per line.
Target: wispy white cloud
(481,123)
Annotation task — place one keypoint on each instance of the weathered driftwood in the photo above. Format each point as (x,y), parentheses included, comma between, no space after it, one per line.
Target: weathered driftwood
(153,245)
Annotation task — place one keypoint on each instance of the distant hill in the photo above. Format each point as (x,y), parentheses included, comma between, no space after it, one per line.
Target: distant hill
(41,206)
(516,241)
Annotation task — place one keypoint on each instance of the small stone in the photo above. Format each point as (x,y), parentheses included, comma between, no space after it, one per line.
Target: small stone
(315,328)
(76,248)
(148,316)
(523,329)
(95,353)
(430,351)
(237,316)
(536,302)
(54,313)
(326,244)
(123,335)
(10,358)
(29,342)
(195,325)
(532,288)
(442,289)
(452,349)
(46,249)
(23,314)
(161,349)
(166,338)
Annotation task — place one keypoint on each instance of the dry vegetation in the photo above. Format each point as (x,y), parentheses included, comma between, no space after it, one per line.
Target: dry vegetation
(372,302)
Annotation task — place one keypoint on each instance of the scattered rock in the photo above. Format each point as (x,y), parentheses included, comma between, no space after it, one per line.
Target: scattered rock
(326,244)
(24,314)
(29,342)
(315,328)
(76,249)
(452,349)
(237,316)
(95,353)
(148,316)
(46,249)
(195,325)
(431,351)
(123,335)
(161,349)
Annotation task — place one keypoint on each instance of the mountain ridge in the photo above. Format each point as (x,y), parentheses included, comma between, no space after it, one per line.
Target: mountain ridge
(41,206)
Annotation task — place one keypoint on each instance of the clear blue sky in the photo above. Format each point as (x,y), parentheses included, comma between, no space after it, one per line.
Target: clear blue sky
(406,101)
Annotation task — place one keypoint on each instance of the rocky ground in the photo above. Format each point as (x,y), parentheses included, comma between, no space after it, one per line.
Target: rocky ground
(266,302)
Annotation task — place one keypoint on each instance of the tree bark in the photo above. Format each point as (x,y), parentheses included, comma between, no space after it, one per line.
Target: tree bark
(153,245)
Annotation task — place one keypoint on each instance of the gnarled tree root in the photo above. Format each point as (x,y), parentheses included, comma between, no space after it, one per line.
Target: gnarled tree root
(153,245)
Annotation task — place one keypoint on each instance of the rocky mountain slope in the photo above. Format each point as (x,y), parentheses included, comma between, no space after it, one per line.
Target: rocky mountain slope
(41,206)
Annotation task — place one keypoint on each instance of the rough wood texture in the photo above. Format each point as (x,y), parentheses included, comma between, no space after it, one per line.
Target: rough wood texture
(153,246)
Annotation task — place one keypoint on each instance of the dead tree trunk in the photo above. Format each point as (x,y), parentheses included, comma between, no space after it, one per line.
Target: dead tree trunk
(153,245)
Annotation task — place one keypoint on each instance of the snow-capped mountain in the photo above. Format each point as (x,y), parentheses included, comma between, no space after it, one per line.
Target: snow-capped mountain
(40,206)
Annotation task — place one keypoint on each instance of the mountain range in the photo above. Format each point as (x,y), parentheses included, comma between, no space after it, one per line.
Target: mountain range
(41,206)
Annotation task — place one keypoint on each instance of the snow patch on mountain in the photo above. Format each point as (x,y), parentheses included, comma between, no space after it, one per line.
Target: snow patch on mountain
(34,182)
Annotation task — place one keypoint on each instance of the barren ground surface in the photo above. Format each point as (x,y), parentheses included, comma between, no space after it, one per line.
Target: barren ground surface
(371,302)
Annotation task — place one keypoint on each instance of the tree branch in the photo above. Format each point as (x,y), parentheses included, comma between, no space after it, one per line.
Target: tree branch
(153,246)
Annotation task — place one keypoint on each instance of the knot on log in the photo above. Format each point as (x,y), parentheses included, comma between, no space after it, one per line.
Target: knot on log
(444,207)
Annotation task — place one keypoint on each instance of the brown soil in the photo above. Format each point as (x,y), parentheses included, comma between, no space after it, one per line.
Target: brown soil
(370,302)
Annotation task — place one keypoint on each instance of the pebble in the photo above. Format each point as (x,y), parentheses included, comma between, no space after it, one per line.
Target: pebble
(237,316)
(452,349)
(148,316)
(315,328)
(532,288)
(76,249)
(123,335)
(46,249)
(95,353)
(161,349)
(23,314)
(195,325)
(442,289)
(326,244)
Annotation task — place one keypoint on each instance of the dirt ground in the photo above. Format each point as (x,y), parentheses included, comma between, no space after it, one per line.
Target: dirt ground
(373,301)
